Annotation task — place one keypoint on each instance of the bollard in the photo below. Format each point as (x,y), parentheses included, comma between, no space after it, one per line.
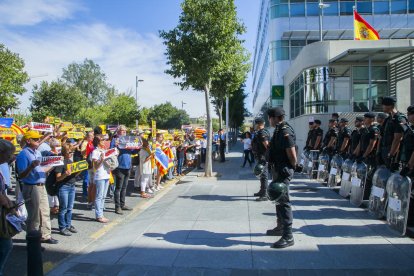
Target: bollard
(34,254)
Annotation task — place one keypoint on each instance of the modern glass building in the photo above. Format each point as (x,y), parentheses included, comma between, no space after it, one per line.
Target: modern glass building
(287,26)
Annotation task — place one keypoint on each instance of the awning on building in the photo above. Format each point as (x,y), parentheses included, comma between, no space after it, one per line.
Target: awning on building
(363,55)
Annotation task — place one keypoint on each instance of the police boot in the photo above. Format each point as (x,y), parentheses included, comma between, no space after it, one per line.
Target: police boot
(286,240)
(277,231)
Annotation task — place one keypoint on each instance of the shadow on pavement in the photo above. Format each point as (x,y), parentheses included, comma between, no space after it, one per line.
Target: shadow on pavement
(216,198)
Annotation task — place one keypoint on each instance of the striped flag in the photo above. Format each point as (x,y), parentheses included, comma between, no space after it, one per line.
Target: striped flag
(362,29)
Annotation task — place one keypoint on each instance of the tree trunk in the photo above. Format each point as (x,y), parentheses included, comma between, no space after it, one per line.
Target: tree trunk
(220,111)
(208,168)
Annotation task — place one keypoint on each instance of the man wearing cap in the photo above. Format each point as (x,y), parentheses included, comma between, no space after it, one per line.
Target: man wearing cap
(309,137)
(367,149)
(331,136)
(335,116)
(282,157)
(317,135)
(33,178)
(356,135)
(344,136)
(260,144)
(407,151)
(394,127)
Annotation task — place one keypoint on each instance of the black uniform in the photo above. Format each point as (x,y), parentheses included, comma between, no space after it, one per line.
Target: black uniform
(332,132)
(259,151)
(282,171)
(317,132)
(343,133)
(407,146)
(308,139)
(392,125)
(355,137)
(371,133)
(222,148)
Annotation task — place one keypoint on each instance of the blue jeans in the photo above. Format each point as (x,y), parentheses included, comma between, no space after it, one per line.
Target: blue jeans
(66,200)
(85,176)
(6,246)
(180,162)
(101,190)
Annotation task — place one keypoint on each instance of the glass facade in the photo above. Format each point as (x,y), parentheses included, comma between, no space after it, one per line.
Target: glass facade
(309,93)
(288,49)
(298,8)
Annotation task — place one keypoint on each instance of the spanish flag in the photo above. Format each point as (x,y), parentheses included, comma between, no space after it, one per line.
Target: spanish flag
(362,30)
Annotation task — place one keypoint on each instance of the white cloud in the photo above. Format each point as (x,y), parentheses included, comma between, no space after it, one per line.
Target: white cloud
(121,53)
(31,12)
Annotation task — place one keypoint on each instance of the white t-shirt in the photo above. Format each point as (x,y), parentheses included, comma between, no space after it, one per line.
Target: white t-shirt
(247,143)
(145,167)
(101,173)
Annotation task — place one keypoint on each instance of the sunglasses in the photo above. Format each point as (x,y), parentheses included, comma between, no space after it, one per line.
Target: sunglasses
(35,139)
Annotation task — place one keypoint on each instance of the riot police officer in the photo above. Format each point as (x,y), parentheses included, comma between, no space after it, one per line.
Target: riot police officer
(344,134)
(381,116)
(317,134)
(356,135)
(407,149)
(367,148)
(394,127)
(260,145)
(309,137)
(330,137)
(282,157)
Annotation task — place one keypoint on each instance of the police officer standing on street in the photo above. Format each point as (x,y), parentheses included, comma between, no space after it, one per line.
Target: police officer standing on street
(394,127)
(356,135)
(330,137)
(309,137)
(344,136)
(407,149)
(260,144)
(367,149)
(317,134)
(282,157)
(380,120)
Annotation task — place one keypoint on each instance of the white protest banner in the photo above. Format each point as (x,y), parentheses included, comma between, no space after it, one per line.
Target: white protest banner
(51,161)
(111,152)
(41,127)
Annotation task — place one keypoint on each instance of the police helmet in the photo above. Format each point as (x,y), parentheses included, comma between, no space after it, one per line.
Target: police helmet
(277,191)
(259,169)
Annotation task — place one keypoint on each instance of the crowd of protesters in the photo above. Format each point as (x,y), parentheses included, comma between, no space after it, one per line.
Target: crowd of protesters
(105,177)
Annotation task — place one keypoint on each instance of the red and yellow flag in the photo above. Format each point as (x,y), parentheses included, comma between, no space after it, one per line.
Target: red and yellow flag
(362,30)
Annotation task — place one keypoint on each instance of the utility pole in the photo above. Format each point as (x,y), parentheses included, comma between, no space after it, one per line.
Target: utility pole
(227,124)
(182,105)
(136,97)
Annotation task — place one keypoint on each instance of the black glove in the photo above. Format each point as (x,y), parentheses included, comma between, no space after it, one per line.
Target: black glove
(299,168)
(388,162)
(405,171)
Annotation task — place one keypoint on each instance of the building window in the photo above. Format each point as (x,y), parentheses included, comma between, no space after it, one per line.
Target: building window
(312,9)
(347,8)
(398,6)
(379,87)
(297,9)
(411,6)
(381,7)
(309,93)
(364,7)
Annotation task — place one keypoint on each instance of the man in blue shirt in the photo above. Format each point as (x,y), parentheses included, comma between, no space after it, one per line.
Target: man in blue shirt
(121,173)
(222,139)
(34,192)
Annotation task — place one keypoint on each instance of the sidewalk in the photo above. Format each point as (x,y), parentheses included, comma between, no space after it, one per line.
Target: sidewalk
(214,227)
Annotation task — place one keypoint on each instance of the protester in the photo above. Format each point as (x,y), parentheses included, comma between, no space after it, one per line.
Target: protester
(34,177)
(247,146)
(66,180)
(180,159)
(6,155)
(121,173)
(145,167)
(85,174)
(222,144)
(101,178)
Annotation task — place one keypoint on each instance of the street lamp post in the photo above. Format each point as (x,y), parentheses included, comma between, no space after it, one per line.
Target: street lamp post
(136,97)
(182,105)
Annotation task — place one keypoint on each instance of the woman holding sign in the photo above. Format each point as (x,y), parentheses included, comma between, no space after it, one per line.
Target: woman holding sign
(101,176)
(66,193)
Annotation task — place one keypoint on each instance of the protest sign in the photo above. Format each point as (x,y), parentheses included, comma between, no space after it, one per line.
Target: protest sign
(6,122)
(41,127)
(129,142)
(51,161)
(77,166)
(75,135)
(111,152)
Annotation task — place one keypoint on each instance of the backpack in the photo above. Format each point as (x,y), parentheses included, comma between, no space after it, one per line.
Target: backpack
(111,163)
(52,187)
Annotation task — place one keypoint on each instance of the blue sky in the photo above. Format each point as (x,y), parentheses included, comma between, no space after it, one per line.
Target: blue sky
(120,35)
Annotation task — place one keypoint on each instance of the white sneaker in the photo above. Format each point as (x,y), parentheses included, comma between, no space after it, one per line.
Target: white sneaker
(156,189)
(160,187)
(150,191)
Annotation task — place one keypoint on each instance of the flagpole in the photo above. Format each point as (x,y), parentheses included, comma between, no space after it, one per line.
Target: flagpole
(353,15)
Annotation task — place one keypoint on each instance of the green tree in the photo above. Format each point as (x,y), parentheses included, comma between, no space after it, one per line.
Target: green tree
(237,108)
(143,116)
(94,116)
(89,78)
(123,110)
(12,79)
(204,44)
(168,116)
(56,99)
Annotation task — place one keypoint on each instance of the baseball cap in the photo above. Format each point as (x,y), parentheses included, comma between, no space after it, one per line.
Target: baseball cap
(32,134)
